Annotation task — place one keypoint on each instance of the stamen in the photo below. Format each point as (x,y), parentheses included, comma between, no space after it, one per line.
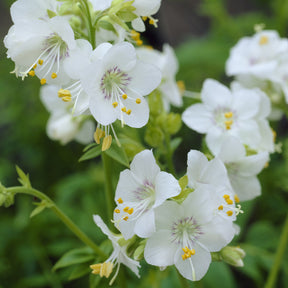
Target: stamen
(228,114)
(53,75)
(106,142)
(229,213)
(103,269)
(43,81)
(187,253)
(120,201)
(123,109)
(226,196)
(138,101)
(126,209)
(151,21)
(229,201)
(144,18)
(98,134)
(130,211)
(125,218)
(220,207)
(117,211)
(31,73)
(40,61)
(65,95)
(263,40)
(35,66)
(181,86)
(124,96)
(237,200)
(115,104)
(128,111)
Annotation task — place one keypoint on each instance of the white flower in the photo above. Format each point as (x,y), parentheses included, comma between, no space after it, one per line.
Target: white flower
(118,256)
(257,55)
(100,5)
(28,10)
(62,126)
(242,169)
(204,173)
(116,84)
(145,8)
(139,191)
(186,234)
(241,113)
(40,47)
(168,65)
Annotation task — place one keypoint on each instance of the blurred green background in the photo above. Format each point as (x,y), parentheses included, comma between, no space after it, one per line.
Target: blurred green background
(202,33)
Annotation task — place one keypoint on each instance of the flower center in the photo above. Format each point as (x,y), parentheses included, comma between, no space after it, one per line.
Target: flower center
(224,118)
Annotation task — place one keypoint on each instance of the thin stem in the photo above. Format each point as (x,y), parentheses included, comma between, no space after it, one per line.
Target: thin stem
(61,215)
(272,277)
(106,160)
(90,27)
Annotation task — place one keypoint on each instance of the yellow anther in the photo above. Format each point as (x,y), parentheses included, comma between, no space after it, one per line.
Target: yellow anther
(138,101)
(43,81)
(151,22)
(107,141)
(98,134)
(144,18)
(64,93)
(184,257)
(220,207)
(123,109)
(228,114)
(226,196)
(263,40)
(103,269)
(266,165)
(120,201)
(128,112)
(274,135)
(115,104)
(117,211)
(236,198)
(229,201)
(35,66)
(124,96)
(181,86)
(187,253)
(40,61)
(126,209)
(53,75)
(229,213)
(31,73)
(130,211)
(185,249)
(139,42)
(66,99)
(125,218)
(228,122)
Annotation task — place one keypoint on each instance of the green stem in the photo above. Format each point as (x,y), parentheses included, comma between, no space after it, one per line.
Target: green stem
(272,277)
(106,160)
(63,217)
(169,154)
(183,282)
(90,27)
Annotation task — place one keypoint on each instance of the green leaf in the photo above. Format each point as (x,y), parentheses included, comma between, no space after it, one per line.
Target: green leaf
(40,207)
(118,154)
(116,20)
(23,178)
(79,271)
(126,15)
(89,146)
(91,153)
(175,143)
(51,14)
(75,256)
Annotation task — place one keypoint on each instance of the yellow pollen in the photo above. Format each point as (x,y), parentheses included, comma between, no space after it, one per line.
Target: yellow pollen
(115,104)
(138,101)
(31,73)
(263,40)
(228,122)
(181,86)
(229,213)
(107,141)
(220,207)
(43,81)
(130,211)
(151,22)
(124,96)
(274,135)
(123,109)
(98,134)
(66,99)
(228,114)
(139,42)
(237,200)
(229,201)
(226,196)
(103,269)
(126,209)
(65,95)
(125,218)
(35,66)
(40,61)
(117,211)
(53,75)
(144,18)
(128,111)
(120,201)
(266,165)
(187,253)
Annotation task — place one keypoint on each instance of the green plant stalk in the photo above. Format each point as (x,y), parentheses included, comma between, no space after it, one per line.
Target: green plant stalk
(90,27)
(272,277)
(61,215)
(106,160)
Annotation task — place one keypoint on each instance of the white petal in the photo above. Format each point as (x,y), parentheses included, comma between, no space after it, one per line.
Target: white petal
(166,186)
(99,222)
(145,225)
(100,5)
(232,150)
(159,250)
(138,24)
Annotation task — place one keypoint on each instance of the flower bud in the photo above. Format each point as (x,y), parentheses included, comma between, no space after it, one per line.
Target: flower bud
(233,255)
(139,252)
(154,136)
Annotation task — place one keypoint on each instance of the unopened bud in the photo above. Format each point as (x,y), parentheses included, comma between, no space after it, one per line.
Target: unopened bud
(233,256)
